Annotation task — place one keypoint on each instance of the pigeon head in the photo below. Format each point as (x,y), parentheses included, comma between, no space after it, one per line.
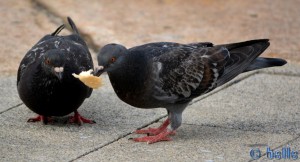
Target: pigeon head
(109,57)
(53,63)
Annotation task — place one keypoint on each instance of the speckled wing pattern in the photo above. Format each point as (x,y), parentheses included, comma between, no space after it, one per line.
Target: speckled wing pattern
(35,52)
(188,71)
(32,56)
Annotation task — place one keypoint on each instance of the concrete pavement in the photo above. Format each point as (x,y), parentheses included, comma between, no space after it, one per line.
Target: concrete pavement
(256,110)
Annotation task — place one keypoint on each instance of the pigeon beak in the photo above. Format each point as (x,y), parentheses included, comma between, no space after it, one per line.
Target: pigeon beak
(59,75)
(58,71)
(99,70)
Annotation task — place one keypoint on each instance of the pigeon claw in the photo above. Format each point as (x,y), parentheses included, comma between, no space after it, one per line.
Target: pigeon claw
(163,136)
(154,131)
(149,131)
(77,118)
(40,118)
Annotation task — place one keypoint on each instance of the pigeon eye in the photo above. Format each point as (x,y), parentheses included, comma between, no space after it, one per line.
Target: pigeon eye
(113,59)
(47,61)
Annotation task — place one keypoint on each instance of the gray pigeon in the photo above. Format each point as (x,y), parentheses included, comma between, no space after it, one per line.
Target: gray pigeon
(45,82)
(170,75)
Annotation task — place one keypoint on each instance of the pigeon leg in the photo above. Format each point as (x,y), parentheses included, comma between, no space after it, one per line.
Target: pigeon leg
(163,136)
(77,118)
(168,127)
(154,131)
(40,118)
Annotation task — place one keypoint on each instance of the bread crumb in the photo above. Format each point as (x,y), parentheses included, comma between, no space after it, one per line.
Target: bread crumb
(88,79)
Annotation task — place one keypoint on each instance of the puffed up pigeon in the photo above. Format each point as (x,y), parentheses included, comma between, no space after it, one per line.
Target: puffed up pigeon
(45,82)
(170,75)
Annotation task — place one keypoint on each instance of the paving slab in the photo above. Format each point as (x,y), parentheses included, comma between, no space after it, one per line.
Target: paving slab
(260,109)
(219,129)
(289,69)
(58,141)
(191,143)
(8,93)
(293,145)
(262,102)
(136,22)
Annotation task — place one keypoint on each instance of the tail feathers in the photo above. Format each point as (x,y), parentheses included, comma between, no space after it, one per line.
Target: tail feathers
(58,30)
(261,62)
(264,43)
(242,55)
(73,26)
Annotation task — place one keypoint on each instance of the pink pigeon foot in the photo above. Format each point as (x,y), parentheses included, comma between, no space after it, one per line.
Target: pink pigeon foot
(163,136)
(77,118)
(40,118)
(154,131)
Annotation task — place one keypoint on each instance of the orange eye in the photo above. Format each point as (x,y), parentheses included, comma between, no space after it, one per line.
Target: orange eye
(47,61)
(113,59)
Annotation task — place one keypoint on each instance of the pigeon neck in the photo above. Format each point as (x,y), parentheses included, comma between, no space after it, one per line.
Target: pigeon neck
(130,76)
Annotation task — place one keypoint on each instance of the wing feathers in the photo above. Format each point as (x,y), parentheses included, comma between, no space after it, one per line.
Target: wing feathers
(188,72)
(241,56)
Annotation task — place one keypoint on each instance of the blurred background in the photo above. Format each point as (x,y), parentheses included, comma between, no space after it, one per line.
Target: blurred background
(135,22)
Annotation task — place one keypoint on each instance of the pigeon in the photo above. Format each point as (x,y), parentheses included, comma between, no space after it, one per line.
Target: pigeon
(170,75)
(45,83)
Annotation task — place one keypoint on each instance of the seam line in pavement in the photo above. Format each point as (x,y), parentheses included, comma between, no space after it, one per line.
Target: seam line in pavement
(280,146)
(159,118)
(11,108)
(101,146)
(88,38)
(117,139)
(55,17)
(222,127)
(279,73)
(152,122)
(239,80)
(43,10)
(224,87)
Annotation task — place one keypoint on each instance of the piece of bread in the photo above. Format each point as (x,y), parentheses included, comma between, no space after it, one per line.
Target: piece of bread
(88,79)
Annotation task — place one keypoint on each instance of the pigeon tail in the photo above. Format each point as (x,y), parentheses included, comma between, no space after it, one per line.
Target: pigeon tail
(58,30)
(262,42)
(261,62)
(242,55)
(73,26)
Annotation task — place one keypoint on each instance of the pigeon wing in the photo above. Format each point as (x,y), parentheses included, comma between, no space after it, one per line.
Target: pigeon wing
(33,55)
(185,73)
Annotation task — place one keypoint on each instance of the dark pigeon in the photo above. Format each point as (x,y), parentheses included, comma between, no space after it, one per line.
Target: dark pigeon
(45,82)
(170,75)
